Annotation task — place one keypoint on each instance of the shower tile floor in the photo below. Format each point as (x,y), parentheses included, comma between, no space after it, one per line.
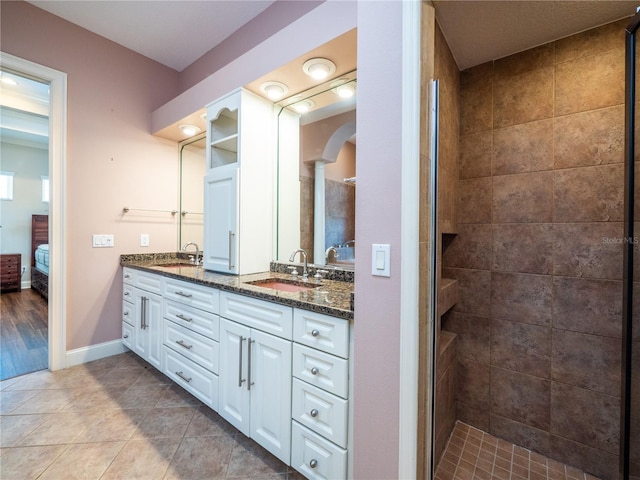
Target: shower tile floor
(472,454)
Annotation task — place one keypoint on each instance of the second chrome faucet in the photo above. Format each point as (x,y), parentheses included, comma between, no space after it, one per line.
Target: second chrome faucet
(303,254)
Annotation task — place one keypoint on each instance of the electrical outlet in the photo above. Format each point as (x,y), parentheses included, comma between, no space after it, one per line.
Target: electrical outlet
(102,241)
(144,239)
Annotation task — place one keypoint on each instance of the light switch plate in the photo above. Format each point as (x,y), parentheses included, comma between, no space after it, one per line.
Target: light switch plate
(102,241)
(380,260)
(144,239)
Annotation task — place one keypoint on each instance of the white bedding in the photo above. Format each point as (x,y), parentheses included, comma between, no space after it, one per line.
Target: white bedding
(42,258)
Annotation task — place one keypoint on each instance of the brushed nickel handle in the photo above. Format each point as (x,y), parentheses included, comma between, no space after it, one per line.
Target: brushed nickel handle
(126,314)
(125,336)
(183,317)
(240,380)
(144,315)
(315,333)
(184,345)
(182,294)
(126,294)
(314,371)
(313,463)
(249,382)
(313,413)
(181,375)
(231,235)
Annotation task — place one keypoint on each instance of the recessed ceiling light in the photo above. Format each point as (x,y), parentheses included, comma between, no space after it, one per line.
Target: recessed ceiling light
(303,106)
(344,88)
(189,130)
(319,68)
(274,90)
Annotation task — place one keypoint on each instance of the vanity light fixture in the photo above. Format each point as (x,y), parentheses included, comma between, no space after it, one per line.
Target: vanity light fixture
(303,106)
(189,130)
(319,68)
(274,90)
(344,88)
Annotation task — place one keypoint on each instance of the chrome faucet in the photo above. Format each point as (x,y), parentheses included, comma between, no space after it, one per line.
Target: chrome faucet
(197,259)
(328,253)
(303,254)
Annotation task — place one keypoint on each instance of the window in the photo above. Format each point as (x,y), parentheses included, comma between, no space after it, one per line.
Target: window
(6,185)
(45,189)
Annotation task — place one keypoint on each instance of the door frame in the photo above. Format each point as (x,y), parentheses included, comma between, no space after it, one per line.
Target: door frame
(57,204)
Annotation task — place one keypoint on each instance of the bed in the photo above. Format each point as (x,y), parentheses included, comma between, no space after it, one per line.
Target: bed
(40,254)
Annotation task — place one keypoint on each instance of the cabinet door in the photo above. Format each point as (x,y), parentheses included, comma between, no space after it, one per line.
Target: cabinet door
(147,341)
(234,395)
(270,377)
(221,221)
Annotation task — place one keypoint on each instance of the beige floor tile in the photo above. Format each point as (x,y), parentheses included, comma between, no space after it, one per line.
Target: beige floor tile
(176,396)
(45,401)
(26,463)
(250,460)
(13,428)
(165,422)
(42,380)
(201,457)
(10,400)
(143,459)
(60,428)
(87,461)
(114,425)
(207,423)
(142,395)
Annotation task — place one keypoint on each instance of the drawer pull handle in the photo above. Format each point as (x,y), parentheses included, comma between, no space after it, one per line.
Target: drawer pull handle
(186,295)
(184,345)
(127,276)
(126,294)
(314,371)
(315,333)
(313,413)
(183,317)
(126,314)
(313,463)
(125,336)
(181,375)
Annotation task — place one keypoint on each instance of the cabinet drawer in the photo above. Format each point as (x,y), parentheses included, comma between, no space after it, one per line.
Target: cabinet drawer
(127,335)
(194,346)
(321,369)
(204,323)
(128,312)
(323,332)
(315,457)
(196,380)
(149,282)
(128,293)
(128,276)
(320,411)
(193,295)
(266,316)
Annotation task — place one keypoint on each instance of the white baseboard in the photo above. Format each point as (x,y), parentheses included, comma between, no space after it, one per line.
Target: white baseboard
(82,355)
(25,284)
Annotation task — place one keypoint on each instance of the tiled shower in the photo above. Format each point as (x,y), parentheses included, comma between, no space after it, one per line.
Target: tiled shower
(531,207)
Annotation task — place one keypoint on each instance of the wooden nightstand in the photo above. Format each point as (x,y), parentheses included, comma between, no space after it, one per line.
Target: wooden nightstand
(10,265)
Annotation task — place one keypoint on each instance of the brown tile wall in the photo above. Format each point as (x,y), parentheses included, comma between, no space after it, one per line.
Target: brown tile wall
(539,202)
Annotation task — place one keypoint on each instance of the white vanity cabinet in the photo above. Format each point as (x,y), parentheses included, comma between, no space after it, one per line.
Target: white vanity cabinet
(191,338)
(142,315)
(239,184)
(255,370)
(321,390)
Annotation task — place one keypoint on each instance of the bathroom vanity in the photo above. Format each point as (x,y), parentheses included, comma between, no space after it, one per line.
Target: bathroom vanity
(276,364)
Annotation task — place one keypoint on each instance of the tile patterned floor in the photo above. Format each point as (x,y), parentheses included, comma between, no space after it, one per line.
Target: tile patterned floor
(119,418)
(472,454)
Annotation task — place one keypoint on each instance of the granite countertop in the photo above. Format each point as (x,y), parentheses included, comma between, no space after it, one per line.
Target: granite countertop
(331,297)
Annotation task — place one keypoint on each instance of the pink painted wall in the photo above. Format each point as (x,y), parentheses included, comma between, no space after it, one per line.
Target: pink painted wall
(112,159)
(377,299)
(277,16)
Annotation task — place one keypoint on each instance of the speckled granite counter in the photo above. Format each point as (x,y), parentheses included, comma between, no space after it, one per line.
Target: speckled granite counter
(331,297)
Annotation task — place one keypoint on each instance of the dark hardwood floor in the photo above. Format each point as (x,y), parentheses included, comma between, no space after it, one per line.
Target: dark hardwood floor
(23,333)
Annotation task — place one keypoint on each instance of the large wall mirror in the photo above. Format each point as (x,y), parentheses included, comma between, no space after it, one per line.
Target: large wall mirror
(192,170)
(325,189)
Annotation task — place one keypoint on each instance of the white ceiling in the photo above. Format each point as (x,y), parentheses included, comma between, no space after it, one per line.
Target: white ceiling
(480,31)
(177,32)
(174,33)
